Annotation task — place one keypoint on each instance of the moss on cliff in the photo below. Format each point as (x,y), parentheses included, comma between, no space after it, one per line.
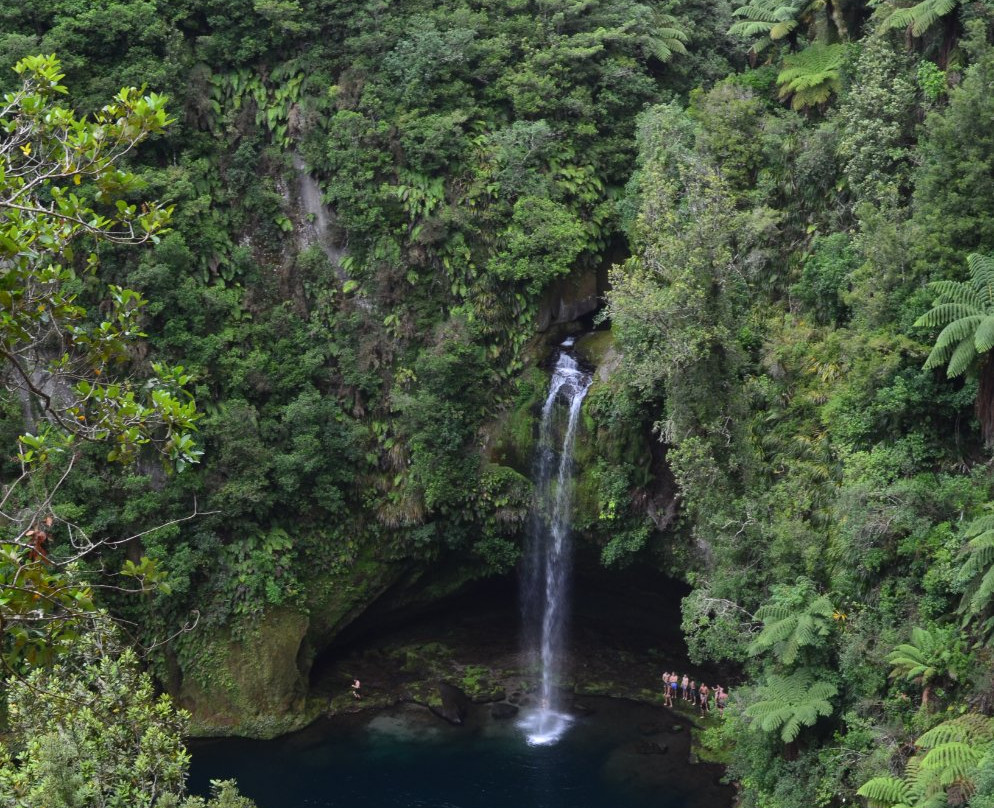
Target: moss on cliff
(245,681)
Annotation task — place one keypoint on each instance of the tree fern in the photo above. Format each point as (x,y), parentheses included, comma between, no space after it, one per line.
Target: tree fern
(774,20)
(978,569)
(667,38)
(786,629)
(929,656)
(945,774)
(789,703)
(769,20)
(955,748)
(919,17)
(966,309)
(810,77)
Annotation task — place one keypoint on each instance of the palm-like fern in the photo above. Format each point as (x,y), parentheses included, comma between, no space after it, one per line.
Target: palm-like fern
(978,569)
(919,17)
(929,656)
(786,629)
(952,751)
(788,703)
(810,77)
(770,20)
(919,788)
(774,20)
(667,38)
(967,312)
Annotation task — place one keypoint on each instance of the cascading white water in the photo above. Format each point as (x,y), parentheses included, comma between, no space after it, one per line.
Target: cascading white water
(548,556)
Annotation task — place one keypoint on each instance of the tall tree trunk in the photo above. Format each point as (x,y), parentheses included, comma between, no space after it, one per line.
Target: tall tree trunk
(985,400)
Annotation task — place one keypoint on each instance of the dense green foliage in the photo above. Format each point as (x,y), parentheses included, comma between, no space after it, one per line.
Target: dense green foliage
(365,368)
(782,333)
(90,731)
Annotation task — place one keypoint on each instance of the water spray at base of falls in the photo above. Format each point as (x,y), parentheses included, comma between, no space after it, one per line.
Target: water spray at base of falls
(548,554)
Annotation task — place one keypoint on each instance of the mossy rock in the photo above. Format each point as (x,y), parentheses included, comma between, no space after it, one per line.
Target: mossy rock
(246,681)
(481,684)
(335,599)
(511,439)
(595,348)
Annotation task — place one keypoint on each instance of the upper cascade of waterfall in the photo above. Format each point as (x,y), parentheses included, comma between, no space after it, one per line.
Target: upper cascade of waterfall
(569,380)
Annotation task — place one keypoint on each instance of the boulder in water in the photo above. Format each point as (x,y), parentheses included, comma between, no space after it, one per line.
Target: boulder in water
(502,710)
(651,748)
(582,709)
(454,705)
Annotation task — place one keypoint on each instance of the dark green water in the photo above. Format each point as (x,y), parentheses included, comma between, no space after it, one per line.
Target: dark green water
(406,759)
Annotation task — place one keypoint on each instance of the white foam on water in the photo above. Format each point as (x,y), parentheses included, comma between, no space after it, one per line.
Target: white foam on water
(544,727)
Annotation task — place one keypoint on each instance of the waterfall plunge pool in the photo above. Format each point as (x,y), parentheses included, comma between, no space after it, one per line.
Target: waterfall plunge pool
(617,754)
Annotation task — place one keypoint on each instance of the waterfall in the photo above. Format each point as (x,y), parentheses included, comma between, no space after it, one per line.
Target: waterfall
(548,556)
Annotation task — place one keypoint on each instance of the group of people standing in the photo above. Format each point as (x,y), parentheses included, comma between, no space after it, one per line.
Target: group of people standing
(683,687)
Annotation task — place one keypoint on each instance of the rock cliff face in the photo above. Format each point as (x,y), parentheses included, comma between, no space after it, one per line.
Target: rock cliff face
(249,682)
(571,297)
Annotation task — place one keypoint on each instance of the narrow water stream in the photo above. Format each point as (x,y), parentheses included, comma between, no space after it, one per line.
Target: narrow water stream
(548,553)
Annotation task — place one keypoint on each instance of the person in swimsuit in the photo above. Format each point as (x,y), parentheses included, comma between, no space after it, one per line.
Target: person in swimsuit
(667,701)
(721,699)
(684,684)
(705,691)
(356,684)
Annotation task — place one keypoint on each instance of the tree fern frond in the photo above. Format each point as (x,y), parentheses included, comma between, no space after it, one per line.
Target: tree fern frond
(812,75)
(962,357)
(953,754)
(949,312)
(982,524)
(789,703)
(982,275)
(960,329)
(885,792)
(769,612)
(782,29)
(751,28)
(957,292)
(981,598)
(970,728)
(938,356)
(920,17)
(980,555)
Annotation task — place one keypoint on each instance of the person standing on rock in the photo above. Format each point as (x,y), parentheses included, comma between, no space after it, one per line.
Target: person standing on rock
(705,692)
(684,685)
(720,700)
(667,701)
(356,684)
